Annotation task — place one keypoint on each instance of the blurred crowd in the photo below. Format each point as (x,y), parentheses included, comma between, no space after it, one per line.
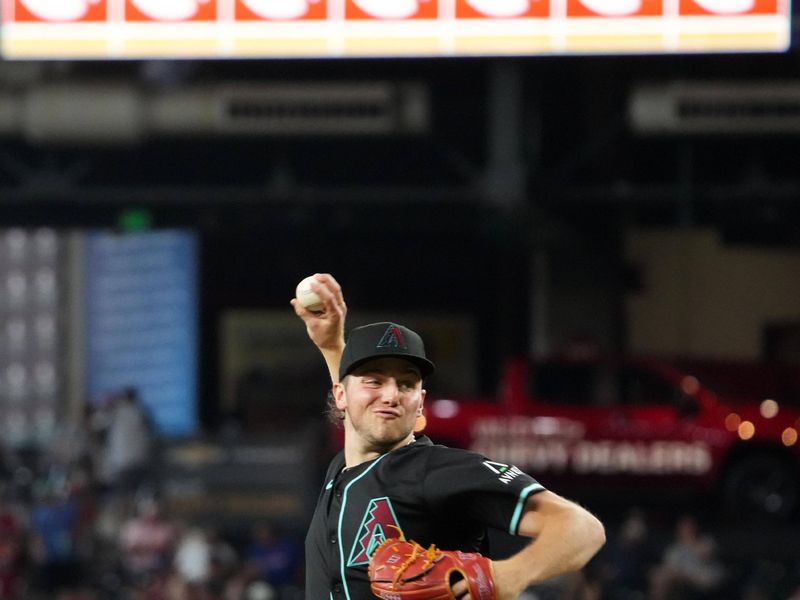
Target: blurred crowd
(84,521)
(685,561)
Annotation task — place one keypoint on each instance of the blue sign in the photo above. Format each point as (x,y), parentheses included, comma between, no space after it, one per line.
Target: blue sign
(141,322)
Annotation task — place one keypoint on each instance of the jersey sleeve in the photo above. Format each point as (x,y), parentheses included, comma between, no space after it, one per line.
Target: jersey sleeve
(490,492)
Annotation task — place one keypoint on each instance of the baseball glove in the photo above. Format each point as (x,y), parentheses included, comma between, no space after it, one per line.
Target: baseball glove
(404,570)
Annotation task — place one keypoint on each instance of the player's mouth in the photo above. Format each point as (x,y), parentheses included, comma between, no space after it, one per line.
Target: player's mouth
(388,413)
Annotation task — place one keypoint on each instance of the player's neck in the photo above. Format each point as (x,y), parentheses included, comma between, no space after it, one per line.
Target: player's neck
(356,451)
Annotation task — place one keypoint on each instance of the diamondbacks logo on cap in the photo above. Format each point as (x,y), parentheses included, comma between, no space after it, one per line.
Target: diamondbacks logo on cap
(392,338)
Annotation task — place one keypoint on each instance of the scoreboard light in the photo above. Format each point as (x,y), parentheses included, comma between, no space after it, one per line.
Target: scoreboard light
(120,29)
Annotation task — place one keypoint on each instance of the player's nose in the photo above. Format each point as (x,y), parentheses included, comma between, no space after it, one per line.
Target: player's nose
(391,391)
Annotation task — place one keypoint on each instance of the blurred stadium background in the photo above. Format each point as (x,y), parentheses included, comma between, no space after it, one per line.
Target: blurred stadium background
(625,181)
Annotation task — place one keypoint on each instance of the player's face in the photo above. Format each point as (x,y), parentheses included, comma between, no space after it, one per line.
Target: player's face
(382,399)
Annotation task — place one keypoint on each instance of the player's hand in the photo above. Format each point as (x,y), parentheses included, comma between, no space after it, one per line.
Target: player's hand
(325,328)
(460,591)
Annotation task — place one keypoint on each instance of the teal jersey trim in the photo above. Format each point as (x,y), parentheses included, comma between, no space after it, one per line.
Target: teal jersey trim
(523,496)
(342,565)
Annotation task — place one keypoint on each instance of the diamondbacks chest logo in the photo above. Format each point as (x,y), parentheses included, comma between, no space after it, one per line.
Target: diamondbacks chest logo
(392,338)
(379,522)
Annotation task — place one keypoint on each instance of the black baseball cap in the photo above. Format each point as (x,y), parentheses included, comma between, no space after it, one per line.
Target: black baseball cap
(381,340)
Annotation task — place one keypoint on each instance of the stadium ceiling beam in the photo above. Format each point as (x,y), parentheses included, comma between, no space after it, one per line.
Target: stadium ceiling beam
(628,193)
(239,195)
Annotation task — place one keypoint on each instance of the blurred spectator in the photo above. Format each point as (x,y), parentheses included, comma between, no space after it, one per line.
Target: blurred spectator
(129,443)
(54,521)
(582,585)
(260,590)
(240,587)
(192,566)
(274,559)
(193,556)
(689,567)
(73,446)
(12,555)
(627,558)
(204,565)
(224,562)
(82,493)
(764,579)
(147,542)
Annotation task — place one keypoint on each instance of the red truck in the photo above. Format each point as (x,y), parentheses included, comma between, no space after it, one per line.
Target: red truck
(632,424)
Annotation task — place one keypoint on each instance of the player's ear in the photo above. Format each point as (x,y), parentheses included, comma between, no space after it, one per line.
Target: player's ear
(339,395)
(421,421)
(421,402)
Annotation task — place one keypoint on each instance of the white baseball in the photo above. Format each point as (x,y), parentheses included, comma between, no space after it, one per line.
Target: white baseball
(307,297)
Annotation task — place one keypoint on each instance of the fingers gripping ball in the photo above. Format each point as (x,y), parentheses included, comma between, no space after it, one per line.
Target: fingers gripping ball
(404,570)
(307,297)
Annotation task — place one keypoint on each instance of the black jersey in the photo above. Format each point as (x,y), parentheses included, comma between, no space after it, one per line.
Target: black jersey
(433,494)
